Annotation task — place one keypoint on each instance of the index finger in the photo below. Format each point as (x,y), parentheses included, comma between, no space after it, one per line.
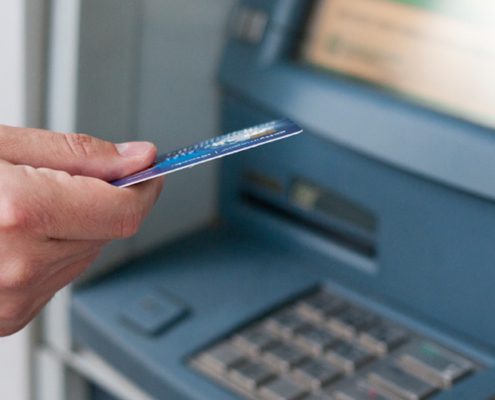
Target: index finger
(84,208)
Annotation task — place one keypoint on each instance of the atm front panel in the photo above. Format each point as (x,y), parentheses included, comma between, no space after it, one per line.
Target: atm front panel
(354,261)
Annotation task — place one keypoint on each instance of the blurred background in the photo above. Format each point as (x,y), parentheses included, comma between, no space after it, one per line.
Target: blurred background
(119,70)
(388,199)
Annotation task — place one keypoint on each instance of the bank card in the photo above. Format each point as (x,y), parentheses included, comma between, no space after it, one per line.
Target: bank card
(212,149)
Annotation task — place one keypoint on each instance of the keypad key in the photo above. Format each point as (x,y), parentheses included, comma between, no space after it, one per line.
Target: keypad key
(382,338)
(351,321)
(347,356)
(283,356)
(319,306)
(249,375)
(221,357)
(282,389)
(315,339)
(433,363)
(316,373)
(317,396)
(254,340)
(362,390)
(397,381)
(285,323)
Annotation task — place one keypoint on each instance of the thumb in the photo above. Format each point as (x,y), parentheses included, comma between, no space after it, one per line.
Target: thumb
(77,154)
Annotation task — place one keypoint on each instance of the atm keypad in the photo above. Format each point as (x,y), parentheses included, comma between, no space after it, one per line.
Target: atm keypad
(325,347)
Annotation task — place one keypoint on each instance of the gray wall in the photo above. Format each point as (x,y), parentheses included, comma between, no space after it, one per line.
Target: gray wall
(147,71)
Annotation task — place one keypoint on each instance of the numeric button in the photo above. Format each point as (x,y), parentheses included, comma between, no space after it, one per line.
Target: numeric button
(249,375)
(382,338)
(221,357)
(254,340)
(362,390)
(351,321)
(320,306)
(348,357)
(285,323)
(317,396)
(283,356)
(315,339)
(316,373)
(282,389)
(433,363)
(394,379)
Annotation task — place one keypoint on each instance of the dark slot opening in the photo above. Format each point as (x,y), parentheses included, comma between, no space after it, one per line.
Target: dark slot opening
(344,239)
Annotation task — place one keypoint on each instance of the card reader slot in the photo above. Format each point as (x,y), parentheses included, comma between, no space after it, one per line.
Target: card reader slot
(360,245)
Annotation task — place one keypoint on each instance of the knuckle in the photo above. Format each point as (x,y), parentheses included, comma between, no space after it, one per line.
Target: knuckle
(13,213)
(13,327)
(79,144)
(130,223)
(15,311)
(4,332)
(22,274)
(55,175)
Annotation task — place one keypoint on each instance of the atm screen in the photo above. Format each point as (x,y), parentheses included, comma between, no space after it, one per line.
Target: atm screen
(439,53)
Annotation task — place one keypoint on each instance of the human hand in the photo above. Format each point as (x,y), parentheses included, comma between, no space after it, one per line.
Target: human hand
(57,212)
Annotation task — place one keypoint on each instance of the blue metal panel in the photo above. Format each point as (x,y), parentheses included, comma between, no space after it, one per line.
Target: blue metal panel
(439,147)
(226,279)
(435,244)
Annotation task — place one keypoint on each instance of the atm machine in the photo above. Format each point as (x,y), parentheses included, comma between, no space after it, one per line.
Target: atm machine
(354,261)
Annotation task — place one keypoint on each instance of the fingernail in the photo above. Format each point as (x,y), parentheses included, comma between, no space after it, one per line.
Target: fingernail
(134,149)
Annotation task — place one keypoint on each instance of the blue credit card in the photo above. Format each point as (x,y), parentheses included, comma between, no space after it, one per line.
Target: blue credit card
(212,149)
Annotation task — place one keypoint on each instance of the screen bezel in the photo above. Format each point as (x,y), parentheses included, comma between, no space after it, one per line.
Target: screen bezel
(436,146)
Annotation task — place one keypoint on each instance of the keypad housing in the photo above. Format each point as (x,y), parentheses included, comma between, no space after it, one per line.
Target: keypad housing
(324,346)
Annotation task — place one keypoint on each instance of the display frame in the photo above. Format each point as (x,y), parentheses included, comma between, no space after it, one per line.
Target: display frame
(378,80)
